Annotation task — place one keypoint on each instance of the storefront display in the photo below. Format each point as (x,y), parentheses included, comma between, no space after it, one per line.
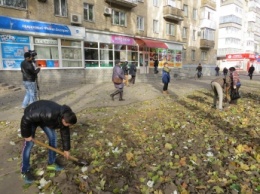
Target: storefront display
(47,52)
(48,39)
(12,50)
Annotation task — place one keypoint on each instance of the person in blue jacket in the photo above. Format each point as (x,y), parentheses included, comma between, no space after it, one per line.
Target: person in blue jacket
(166,77)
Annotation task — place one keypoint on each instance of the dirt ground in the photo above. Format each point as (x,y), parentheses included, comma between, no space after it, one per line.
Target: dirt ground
(131,145)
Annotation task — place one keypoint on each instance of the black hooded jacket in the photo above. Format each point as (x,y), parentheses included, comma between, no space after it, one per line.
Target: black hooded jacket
(46,113)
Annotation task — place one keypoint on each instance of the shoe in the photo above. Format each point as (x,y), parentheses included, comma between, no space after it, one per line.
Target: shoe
(28,177)
(112,96)
(121,96)
(54,167)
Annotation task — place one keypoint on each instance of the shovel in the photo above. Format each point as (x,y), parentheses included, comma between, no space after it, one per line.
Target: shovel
(78,161)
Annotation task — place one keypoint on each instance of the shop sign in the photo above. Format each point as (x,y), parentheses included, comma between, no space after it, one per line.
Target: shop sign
(122,40)
(31,26)
(14,38)
(45,41)
(240,56)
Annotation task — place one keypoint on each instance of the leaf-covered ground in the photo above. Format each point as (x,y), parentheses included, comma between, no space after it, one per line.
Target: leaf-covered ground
(162,146)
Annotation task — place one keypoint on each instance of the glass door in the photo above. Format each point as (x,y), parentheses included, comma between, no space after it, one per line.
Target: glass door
(144,62)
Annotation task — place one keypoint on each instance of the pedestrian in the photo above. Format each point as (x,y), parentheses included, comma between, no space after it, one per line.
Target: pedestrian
(49,116)
(220,86)
(156,63)
(235,85)
(225,71)
(117,78)
(217,70)
(166,77)
(29,79)
(251,71)
(132,72)
(126,71)
(199,69)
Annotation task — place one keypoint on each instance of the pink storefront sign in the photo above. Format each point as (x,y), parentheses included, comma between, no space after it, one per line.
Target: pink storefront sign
(122,40)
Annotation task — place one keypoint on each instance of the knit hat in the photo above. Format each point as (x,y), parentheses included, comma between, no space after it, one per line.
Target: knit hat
(27,54)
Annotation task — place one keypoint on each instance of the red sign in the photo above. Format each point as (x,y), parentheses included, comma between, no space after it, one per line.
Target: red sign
(241,56)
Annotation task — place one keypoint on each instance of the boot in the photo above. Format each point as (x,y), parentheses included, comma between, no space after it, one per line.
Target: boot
(113,94)
(165,92)
(121,96)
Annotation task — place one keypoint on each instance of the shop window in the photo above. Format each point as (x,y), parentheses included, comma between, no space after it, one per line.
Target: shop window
(88,12)
(140,23)
(132,54)
(119,18)
(71,53)
(22,4)
(91,54)
(106,46)
(106,55)
(47,52)
(178,56)
(60,8)
(170,30)
(12,50)
(91,44)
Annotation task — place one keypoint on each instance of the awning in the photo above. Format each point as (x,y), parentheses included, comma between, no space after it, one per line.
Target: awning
(150,43)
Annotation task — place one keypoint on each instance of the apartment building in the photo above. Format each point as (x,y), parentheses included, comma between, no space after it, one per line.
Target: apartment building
(92,34)
(238,36)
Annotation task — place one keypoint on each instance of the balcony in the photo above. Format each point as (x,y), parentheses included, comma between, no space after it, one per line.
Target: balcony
(207,44)
(172,13)
(227,2)
(206,23)
(123,3)
(208,3)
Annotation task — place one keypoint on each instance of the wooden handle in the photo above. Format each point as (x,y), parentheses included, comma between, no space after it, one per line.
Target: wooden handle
(53,149)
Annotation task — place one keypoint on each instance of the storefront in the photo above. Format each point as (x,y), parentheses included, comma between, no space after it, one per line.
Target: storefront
(101,50)
(57,46)
(239,61)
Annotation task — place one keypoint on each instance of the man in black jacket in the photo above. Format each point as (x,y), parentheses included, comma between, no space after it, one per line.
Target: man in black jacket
(126,70)
(29,79)
(49,116)
(251,71)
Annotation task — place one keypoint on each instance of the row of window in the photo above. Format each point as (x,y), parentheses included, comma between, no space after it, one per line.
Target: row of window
(203,55)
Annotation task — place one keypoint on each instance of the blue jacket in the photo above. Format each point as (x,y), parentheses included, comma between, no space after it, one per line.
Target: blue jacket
(166,75)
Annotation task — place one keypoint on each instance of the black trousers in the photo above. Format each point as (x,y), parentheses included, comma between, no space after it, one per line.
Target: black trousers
(165,87)
(132,80)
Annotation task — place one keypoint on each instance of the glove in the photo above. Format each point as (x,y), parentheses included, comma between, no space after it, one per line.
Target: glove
(235,87)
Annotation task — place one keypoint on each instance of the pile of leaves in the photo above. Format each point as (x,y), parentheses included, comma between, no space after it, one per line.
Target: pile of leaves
(165,145)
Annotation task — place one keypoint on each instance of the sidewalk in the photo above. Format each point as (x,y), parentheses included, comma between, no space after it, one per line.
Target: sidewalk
(97,95)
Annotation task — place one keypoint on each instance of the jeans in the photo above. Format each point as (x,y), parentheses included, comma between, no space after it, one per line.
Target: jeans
(51,134)
(30,96)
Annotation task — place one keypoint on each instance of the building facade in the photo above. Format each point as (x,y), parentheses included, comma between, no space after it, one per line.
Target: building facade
(238,35)
(92,34)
